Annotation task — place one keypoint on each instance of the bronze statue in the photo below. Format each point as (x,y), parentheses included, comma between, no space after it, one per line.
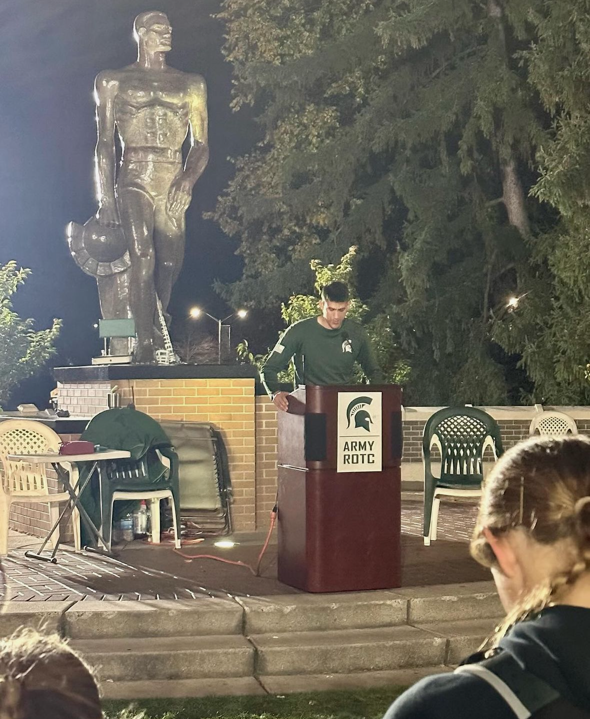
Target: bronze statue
(152,108)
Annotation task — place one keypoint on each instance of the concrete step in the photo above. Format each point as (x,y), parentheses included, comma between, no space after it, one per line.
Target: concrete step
(157,658)
(43,616)
(366,610)
(347,651)
(369,650)
(327,612)
(286,684)
(463,637)
(179,688)
(452,602)
(204,616)
(338,682)
(299,641)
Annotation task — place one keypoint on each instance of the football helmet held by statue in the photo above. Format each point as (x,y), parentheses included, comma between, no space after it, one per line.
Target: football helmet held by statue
(97,249)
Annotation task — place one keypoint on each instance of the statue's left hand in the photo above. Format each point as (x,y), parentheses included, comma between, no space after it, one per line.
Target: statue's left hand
(179,196)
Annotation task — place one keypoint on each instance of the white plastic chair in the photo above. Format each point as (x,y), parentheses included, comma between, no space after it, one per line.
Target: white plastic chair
(155,495)
(552,424)
(154,498)
(26,482)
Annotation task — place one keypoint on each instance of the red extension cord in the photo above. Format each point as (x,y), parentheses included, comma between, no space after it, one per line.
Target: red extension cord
(255,572)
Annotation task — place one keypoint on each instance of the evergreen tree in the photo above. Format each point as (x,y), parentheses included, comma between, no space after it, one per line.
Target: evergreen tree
(552,326)
(408,128)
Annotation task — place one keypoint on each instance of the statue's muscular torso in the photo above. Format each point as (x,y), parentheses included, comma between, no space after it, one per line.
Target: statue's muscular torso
(152,109)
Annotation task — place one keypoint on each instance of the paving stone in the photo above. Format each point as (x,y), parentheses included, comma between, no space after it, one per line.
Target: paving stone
(107,580)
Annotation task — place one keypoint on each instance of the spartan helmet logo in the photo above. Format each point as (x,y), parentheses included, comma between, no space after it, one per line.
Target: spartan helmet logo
(356,409)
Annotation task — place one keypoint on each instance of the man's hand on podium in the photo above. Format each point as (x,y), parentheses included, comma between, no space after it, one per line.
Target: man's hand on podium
(280,401)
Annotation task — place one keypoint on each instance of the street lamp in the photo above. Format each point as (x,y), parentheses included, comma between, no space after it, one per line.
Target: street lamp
(196,312)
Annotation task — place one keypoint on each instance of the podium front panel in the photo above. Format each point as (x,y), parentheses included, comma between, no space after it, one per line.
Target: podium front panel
(321,408)
(338,530)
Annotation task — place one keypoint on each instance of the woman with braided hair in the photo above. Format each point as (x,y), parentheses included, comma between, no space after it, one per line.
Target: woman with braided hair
(42,678)
(533,531)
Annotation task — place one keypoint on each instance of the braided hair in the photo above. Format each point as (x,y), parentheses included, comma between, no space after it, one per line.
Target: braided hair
(542,486)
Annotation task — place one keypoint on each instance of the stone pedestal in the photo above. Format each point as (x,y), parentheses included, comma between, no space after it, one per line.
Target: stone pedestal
(223,395)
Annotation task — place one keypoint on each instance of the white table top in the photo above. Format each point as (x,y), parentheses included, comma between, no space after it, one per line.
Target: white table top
(54,457)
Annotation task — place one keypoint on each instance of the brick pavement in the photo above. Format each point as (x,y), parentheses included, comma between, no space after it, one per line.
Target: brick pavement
(144,572)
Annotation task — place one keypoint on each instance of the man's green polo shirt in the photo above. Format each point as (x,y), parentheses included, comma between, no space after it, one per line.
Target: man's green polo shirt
(322,356)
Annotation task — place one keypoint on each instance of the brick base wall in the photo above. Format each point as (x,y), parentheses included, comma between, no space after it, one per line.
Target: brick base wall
(84,400)
(266,460)
(228,404)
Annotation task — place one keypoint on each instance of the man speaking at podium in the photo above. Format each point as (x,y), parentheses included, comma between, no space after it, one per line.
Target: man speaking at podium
(325,348)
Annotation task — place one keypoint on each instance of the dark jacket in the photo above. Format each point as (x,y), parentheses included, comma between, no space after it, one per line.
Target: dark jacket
(554,646)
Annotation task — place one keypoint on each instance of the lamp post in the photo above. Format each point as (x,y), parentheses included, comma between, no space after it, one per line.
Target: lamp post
(196,312)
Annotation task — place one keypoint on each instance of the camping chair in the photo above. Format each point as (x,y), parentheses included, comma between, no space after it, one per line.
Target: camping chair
(26,482)
(203,472)
(461,435)
(151,473)
(552,424)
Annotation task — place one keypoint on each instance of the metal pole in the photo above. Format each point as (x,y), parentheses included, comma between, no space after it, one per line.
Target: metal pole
(219,341)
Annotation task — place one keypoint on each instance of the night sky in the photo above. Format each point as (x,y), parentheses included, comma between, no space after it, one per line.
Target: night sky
(50,53)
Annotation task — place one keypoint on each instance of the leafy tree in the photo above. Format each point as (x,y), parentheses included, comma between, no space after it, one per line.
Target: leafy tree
(300,307)
(408,128)
(23,350)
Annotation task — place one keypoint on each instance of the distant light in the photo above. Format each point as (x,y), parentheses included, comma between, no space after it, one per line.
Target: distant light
(224,544)
(513,302)
(242,314)
(195,312)
(95,325)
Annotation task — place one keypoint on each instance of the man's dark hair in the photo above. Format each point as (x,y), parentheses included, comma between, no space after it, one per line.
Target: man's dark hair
(335,292)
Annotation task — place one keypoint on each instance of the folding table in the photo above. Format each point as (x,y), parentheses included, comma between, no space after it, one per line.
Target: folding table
(57,461)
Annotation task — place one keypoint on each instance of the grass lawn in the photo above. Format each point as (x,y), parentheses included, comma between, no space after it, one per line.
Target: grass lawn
(359,704)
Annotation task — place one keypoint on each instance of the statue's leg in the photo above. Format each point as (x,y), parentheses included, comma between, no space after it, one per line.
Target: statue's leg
(137,218)
(113,295)
(169,241)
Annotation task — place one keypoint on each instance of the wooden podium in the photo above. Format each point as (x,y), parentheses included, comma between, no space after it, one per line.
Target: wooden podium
(339,487)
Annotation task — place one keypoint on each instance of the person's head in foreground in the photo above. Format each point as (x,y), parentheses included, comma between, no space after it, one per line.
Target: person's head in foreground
(42,678)
(533,528)
(533,532)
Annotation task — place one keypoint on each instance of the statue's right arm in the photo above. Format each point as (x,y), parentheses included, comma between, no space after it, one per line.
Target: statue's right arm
(105,90)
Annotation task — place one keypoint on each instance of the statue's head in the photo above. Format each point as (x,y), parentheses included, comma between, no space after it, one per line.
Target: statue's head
(152,30)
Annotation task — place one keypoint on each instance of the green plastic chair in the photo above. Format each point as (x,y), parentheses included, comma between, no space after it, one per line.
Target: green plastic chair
(151,473)
(461,435)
